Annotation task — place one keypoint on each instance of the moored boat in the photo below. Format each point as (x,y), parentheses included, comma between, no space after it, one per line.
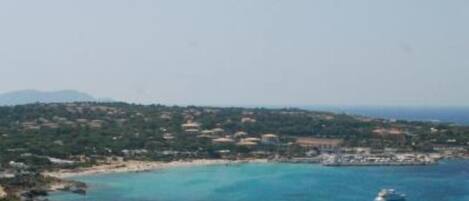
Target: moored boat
(390,195)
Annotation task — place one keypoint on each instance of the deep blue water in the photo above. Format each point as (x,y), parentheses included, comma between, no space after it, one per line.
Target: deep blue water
(459,115)
(448,181)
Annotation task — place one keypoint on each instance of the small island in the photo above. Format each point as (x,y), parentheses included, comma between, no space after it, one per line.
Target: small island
(42,145)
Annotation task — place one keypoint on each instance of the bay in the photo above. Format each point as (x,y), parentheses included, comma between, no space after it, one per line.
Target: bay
(448,181)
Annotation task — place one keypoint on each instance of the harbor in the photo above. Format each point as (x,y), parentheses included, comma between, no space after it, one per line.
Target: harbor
(408,159)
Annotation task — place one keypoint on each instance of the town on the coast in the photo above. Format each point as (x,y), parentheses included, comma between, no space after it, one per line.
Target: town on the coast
(41,145)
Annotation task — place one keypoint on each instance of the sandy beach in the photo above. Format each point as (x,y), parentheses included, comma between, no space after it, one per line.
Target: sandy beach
(141,166)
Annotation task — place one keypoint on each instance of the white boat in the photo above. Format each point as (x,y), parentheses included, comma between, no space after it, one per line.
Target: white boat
(390,195)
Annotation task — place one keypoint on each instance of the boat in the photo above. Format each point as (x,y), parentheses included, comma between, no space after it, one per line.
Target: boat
(390,195)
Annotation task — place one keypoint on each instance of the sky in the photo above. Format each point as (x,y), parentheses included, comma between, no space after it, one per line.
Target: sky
(241,52)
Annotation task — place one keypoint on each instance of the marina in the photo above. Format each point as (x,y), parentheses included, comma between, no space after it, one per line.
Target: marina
(378,160)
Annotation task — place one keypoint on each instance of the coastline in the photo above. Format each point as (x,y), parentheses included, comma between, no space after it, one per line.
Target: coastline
(67,183)
(142,166)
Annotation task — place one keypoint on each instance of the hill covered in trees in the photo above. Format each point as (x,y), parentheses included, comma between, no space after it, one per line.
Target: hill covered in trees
(87,130)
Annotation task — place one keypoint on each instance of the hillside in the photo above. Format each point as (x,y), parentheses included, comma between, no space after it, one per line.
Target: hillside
(156,132)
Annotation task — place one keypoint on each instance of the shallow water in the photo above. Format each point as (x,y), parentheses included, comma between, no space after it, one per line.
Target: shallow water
(448,181)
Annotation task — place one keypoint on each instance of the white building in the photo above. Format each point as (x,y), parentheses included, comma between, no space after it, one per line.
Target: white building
(269,139)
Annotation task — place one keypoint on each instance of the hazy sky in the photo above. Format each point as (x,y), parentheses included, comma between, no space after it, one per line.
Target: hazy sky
(240,52)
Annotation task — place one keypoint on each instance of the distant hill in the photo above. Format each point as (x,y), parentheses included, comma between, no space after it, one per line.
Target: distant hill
(34,96)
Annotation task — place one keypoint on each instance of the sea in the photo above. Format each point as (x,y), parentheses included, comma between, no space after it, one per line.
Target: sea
(448,181)
(439,114)
(454,115)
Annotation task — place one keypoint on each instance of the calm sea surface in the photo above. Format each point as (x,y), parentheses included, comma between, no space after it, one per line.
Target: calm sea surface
(448,181)
(458,115)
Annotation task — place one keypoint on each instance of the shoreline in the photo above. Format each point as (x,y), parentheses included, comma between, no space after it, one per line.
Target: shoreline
(66,181)
(143,166)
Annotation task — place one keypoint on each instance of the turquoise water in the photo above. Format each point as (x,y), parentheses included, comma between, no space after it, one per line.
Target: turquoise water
(448,181)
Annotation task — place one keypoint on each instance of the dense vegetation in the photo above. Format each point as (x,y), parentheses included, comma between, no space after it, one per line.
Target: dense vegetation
(31,133)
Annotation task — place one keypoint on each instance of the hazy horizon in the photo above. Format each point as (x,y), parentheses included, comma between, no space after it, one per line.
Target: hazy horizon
(208,52)
(317,107)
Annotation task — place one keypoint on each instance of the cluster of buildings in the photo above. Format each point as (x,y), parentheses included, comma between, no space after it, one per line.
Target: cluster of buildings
(320,144)
(75,109)
(134,152)
(78,108)
(57,122)
(220,136)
